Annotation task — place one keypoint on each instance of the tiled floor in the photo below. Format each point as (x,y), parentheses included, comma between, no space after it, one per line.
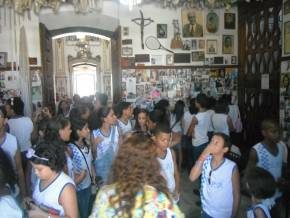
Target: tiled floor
(188,199)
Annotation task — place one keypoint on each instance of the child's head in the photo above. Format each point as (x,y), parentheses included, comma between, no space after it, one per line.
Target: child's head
(141,118)
(270,130)
(221,107)
(201,101)
(59,128)
(3,117)
(106,115)
(179,110)
(220,143)
(101,100)
(260,183)
(161,136)
(80,129)
(125,109)
(155,117)
(14,106)
(192,108)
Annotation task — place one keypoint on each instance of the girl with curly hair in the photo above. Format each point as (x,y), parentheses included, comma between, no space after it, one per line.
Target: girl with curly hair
(136,187)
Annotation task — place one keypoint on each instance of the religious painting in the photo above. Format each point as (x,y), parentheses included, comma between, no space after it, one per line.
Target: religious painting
(169,59)
(127,51)
(230,21)
(286,7)
(125,31)
(228,44)
(197,56)
(192,23)
(212,22)
(211,46)
(194,44)
(201,44)
(287,37)
(3,59)
(161,30)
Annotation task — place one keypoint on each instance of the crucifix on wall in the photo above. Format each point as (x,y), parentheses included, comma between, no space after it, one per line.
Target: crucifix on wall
(142,22)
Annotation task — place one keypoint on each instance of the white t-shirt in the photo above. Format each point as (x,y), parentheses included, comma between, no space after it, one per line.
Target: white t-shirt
(176,127)
(187,118)
(201,129)
(234,113)
(125,127)
(167,170)
(48,198)
(220,124)
(216,192)
(9,146)
(9,207)
(21,128)
(211,113)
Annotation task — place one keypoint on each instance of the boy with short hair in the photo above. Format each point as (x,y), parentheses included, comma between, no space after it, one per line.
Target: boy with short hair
(220,181)
(271,155)
(167,159)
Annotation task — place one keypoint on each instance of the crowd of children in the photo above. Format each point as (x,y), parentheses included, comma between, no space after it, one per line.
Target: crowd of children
(99,160)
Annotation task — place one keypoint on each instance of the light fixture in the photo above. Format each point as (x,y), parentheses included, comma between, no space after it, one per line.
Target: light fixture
(130,3)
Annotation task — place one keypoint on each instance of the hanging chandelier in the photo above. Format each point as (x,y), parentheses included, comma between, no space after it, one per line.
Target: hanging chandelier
(131,3)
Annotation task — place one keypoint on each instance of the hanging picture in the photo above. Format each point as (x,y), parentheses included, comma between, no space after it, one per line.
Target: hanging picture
(287,37)
(212,22)
(3,59)
(194,44)
(228,44)
(127,51)
(186,45)
(201,44)
(198,56)
(156,60)
(169,59)
(230,21)
(161,30)
(192,23)
(234,60)
(125,31)
(286,7)
(211,46)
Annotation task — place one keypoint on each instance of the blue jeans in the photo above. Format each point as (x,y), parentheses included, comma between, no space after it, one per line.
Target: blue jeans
(103,164)
(198,150)
(84,202)
(205,215)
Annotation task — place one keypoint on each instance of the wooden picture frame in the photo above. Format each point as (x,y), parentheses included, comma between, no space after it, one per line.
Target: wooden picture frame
(3,59)
(162,31)
(228,44)
(211,46)
(286,43)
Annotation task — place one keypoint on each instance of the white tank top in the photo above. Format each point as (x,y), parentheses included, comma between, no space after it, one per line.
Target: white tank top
(167,170)
(125,127)
(48,198)
(251,214)
(217,188)
(200,130)
(220,124)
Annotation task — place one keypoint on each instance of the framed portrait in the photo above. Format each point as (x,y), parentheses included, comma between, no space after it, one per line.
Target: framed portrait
(194,44)
(234,60)
(156,60)
(198,56)
(192,23)
(212,22)
(230,21)
(125,31)
(287,38)
(169,59)
(228,44)
(127,51)
(186,45)
(211,46)
(3,59)
(161,30)
(286,7)
(201,44)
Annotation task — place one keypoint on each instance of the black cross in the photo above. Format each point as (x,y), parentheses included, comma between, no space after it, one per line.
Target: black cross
(141,22)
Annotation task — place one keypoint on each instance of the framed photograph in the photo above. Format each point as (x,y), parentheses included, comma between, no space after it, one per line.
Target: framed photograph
(212,22)
(228,44)
(125,31)
(161,30)
(194,44)
(197,56)
(201,44)
(192,23)
(3,59)
(286,7)
(156,60)
(211,46)
(169,59)
(287,37)
(230,21)
(127,51)
(234,60)
(186,45)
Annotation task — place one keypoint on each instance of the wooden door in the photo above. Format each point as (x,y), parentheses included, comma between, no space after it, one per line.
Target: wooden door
(47,67)
(259,53)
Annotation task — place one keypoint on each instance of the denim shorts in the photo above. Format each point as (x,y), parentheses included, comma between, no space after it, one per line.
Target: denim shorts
(103,165)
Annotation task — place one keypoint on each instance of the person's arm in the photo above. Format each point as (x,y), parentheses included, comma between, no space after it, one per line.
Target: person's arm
(236,192)
(176,174)
(230,124)
(253,159)
(175,139)
(259,213)
(20,173)
(190,131)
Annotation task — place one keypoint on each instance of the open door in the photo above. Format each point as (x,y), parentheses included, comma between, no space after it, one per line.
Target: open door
(47,68)
(116,68)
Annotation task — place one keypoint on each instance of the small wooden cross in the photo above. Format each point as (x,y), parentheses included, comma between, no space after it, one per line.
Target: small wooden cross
(142,22)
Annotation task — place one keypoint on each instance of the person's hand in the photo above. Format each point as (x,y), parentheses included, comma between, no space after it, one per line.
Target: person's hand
(36,212)
(176,196)
(208,150)
(26,202)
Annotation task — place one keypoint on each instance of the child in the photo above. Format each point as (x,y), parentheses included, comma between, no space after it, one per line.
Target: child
(82,164)
(271,155)
(261,185)
(124,121)
(167,160)
(141,120)
(220,183)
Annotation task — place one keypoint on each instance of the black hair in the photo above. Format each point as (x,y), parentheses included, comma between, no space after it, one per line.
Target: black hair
(202,100)
(163,104)
(77,124)
(192,108)
(53,127)
(123,105)
(17,105)
(59,108)
(178,110)
(261,183)
(102,114)
(3,111)
(226,138)
(40,125)
(156,116)
(211,103)
(162,128)
(51,151)
(7,173)
(221,107)
(103,98)
(269,123)
(139,111)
